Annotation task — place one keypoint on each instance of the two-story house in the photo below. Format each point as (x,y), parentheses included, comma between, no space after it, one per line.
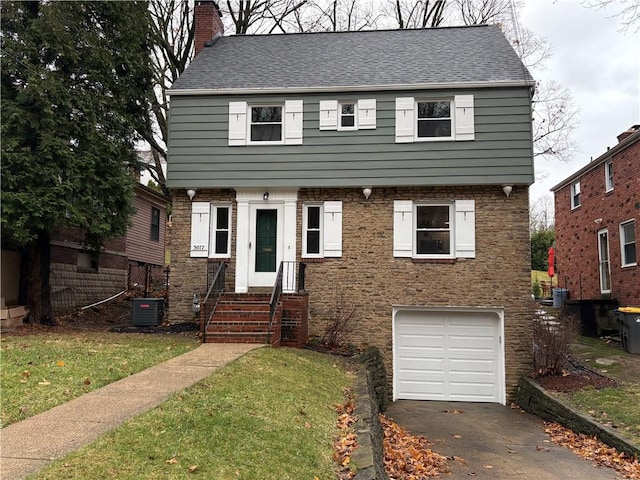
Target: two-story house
(597,221)
(394,165)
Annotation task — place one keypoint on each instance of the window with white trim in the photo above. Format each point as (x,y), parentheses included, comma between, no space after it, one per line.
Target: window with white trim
(220,231)
(210,230)
(265,124)
(434,229)
(575,194)
(322,230)
(312,231)
(270,124)
(608,176)
(628,243)
(347,114)
(435,119)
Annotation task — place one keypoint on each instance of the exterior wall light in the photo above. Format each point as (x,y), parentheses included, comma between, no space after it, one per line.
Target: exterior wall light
(507,189)
(191,193)
(366,191)
(265,196)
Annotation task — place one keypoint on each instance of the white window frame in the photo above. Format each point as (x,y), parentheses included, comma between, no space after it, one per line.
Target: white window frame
(608,176)
(604,261)
(574,191)
(450,229)
(342,115)
(214,230)
(451,118)
(330,114)
(624,242)
(305,230)
(250,123)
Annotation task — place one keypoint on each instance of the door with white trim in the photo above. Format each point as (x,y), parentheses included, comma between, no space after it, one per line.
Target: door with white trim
(265,244)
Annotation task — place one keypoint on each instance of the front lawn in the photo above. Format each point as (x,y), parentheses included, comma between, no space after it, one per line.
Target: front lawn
(268,415)
(43,370)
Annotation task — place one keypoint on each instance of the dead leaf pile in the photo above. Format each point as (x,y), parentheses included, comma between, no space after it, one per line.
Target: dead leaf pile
(345,445)
(408,457)
(595,450)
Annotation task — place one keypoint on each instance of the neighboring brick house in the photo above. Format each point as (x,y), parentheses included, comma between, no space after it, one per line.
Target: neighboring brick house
(597,222)
(79,278)
(395,165)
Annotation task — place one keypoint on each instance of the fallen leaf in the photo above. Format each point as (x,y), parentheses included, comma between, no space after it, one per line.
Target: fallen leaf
(60,363)
(456,436)
(172,461)
(26,373)
(307,425)
(192,468)
(488,467)
(44,382)
(87,381)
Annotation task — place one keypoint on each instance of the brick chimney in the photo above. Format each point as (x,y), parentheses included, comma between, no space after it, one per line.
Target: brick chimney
(633,129)
(207,22)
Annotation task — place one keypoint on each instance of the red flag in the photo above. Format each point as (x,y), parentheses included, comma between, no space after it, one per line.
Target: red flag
(552,254)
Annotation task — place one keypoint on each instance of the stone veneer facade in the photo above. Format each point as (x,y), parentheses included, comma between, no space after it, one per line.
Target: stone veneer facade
(371,280)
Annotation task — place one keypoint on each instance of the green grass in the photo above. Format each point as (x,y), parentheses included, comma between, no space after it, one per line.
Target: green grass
(619,407)
(43,370)
(268,415)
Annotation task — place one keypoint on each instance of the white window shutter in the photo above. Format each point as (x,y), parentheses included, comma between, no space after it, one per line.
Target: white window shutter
(405,119)
(367,114)
(465,126)
(328,114)
(200,212)
(465,228)
(293,122)
(237,123)
(402,228)
(332,229)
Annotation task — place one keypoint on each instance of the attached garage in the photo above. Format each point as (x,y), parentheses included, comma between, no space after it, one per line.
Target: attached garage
(449,354)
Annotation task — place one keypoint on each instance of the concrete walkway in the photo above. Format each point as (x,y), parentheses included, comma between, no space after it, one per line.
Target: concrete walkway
(28,446)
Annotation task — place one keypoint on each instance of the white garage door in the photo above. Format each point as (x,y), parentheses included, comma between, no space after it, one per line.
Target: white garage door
(448,355)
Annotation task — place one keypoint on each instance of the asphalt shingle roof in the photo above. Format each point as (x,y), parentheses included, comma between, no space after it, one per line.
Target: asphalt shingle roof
(450,55)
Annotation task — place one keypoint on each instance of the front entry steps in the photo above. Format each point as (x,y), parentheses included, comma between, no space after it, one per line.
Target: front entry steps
(244,318)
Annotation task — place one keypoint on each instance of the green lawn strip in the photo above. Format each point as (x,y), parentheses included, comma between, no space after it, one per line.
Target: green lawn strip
(41,371)
(589,349)
(618,408)
(268,415)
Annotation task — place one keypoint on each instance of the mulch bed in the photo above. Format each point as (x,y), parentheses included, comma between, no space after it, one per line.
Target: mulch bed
(575,377)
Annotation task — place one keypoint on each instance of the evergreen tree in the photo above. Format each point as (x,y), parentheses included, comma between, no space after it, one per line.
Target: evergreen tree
(74,82)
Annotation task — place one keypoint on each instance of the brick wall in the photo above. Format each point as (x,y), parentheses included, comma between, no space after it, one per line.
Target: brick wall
(372,280)
(577,230)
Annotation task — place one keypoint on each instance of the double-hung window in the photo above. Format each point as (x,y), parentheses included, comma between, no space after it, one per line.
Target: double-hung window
(575,194)
(628,243)
(220,231)
(348,113)
(434,120)
(312,231)
(433,230)
(155,224)
(438,230)
(266,124)
(608,176)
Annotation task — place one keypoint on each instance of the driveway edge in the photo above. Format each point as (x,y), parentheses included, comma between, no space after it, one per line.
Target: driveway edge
(532,398)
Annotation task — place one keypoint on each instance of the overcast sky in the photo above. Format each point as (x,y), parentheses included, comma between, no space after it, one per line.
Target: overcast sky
(600,65)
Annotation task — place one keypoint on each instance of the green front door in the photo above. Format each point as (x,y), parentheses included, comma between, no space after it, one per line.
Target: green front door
(266,223)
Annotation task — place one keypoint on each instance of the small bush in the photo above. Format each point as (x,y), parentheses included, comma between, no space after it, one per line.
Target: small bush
(339,324)
(552,339)
(537,289)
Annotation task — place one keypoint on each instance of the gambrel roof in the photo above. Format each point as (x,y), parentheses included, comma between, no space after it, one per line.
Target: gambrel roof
(364,60)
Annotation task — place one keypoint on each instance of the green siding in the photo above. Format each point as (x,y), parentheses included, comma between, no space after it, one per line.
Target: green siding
(501,153)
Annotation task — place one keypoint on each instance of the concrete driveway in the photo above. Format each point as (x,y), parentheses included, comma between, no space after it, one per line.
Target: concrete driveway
(492,442)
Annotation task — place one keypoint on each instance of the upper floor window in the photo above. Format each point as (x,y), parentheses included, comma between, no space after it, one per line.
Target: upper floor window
(575,194)
(347,115)
(628,243)
(155,224)
(608,176)
(436,119)
(266,124)
(434,230)
(348,112)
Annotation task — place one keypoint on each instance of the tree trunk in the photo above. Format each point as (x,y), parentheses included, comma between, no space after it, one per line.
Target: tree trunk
(39,287)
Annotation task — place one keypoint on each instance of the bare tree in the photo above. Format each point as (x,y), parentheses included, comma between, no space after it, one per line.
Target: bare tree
(555,118)
(417,14)
(541,216)
(338,15)
(478,12)
(259,16)
(628,11)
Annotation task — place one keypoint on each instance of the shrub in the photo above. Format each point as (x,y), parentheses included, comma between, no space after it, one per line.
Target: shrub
(552,339)
(339,324)
(537,289)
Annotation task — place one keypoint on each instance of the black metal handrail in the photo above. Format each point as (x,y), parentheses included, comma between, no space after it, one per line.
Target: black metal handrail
(275,297)
(213,296)
(288,273)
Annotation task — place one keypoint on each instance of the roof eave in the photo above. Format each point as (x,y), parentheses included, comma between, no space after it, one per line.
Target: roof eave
(351,88)
(627,142)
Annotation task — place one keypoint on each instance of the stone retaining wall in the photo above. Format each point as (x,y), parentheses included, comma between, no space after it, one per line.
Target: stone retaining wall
(534,399)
